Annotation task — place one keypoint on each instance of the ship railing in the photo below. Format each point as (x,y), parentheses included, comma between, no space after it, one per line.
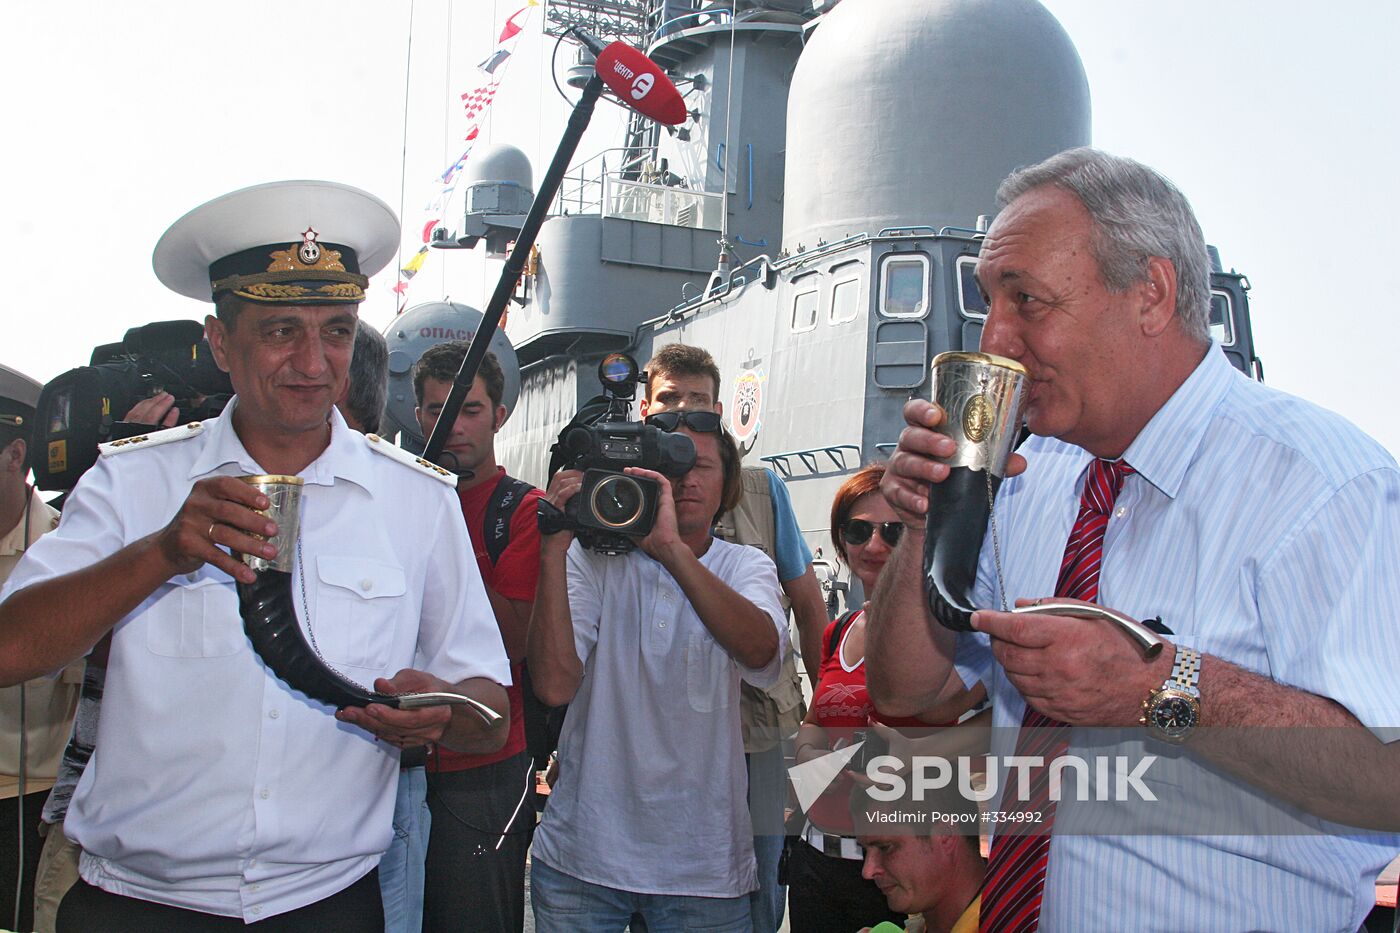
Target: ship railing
(820,250)
(719,16)
(842,458)
(916,230)
(661,204)
(581,190)
(762,268)
(923,230)
(722,283)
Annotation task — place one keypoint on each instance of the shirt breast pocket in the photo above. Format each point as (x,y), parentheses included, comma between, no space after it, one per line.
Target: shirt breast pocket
(196,617)
(358,602)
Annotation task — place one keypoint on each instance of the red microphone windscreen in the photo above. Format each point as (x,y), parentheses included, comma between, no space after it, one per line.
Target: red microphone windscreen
(641,84)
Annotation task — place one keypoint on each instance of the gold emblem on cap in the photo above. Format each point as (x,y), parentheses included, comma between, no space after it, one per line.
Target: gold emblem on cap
(306,255)
(977,418)
(287,270)
(310,250)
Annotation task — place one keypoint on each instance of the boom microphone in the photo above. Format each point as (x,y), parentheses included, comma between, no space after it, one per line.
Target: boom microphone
(637,81)
(640,83)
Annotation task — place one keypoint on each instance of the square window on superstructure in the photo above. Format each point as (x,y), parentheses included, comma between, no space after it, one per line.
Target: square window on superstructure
(1222,325)
(845,301)
(804,310)
(904,286)
(969,293)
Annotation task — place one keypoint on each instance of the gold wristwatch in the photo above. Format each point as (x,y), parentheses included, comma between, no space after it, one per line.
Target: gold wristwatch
(1172,711)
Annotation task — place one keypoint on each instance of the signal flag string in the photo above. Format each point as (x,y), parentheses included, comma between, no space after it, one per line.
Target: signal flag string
(476,105)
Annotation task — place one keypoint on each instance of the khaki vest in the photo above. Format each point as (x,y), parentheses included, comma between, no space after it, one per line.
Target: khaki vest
(772,714)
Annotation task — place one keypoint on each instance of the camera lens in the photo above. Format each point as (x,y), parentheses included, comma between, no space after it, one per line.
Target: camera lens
(617,501)
(617,369)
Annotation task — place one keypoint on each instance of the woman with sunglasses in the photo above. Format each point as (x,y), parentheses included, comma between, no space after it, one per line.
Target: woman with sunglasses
(825,889)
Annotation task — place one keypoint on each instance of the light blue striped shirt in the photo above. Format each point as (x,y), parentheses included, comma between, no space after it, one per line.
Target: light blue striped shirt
(1265,531)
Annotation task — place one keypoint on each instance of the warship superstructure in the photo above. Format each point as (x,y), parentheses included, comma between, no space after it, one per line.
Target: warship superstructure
(814,223)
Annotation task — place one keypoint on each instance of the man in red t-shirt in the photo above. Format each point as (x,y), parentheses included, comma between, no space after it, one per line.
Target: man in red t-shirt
(482,806)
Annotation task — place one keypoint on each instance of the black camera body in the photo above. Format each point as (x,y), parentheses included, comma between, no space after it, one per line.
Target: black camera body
(84,407)
(613,509)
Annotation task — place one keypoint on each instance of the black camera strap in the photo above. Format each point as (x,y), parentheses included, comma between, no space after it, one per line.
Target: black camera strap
(505,499)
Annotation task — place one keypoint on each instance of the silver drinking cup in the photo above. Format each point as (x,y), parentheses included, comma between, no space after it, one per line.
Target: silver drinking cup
(981,397)
(284,507)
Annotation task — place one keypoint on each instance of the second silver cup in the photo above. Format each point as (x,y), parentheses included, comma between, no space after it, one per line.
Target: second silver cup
(284,507)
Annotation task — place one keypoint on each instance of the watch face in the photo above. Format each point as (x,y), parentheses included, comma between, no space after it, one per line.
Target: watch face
(1173,715)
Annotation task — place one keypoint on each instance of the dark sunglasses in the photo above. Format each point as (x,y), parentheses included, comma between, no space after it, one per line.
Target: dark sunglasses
(706,422)
(858,531)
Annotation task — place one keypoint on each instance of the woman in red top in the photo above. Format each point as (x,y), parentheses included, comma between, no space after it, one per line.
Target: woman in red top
(826,890)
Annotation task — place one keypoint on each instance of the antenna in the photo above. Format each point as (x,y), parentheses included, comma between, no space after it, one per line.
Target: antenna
(403,151)
(725,247)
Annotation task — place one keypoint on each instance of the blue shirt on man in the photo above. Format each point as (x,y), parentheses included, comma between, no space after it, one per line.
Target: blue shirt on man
(790,552)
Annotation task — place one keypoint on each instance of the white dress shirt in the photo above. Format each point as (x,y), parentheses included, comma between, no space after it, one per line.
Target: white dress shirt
(214,786)
(652,788)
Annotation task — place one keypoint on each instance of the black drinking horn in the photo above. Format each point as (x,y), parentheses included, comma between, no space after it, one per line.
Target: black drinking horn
(270,620)
(980,395)
(958,511)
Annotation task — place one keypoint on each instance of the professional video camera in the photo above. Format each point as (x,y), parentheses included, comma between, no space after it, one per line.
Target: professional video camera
(84,407)
(613,509)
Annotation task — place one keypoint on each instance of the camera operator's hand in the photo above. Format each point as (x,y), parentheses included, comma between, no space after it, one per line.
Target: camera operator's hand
(562,488)
(158,409)
(220,512)
(665,536)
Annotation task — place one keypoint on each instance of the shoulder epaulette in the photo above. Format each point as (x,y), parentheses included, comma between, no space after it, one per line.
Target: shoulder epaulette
(409,459)
(154,439)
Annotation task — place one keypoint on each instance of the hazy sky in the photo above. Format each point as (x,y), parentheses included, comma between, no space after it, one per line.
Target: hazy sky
(1277,120)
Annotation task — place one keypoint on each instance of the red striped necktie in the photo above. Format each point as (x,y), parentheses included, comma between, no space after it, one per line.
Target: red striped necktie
(1016,866)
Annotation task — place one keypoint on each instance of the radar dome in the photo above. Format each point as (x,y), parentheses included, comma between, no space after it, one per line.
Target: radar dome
(499,163)
(911,113)
(413,332)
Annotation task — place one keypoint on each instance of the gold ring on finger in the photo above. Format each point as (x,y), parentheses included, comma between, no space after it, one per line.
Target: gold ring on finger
(211,530)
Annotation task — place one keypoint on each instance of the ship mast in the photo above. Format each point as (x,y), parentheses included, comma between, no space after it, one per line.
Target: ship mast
(631,21)
(609,20)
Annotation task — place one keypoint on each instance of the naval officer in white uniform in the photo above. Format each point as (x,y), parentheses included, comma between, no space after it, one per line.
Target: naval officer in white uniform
(217,794)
